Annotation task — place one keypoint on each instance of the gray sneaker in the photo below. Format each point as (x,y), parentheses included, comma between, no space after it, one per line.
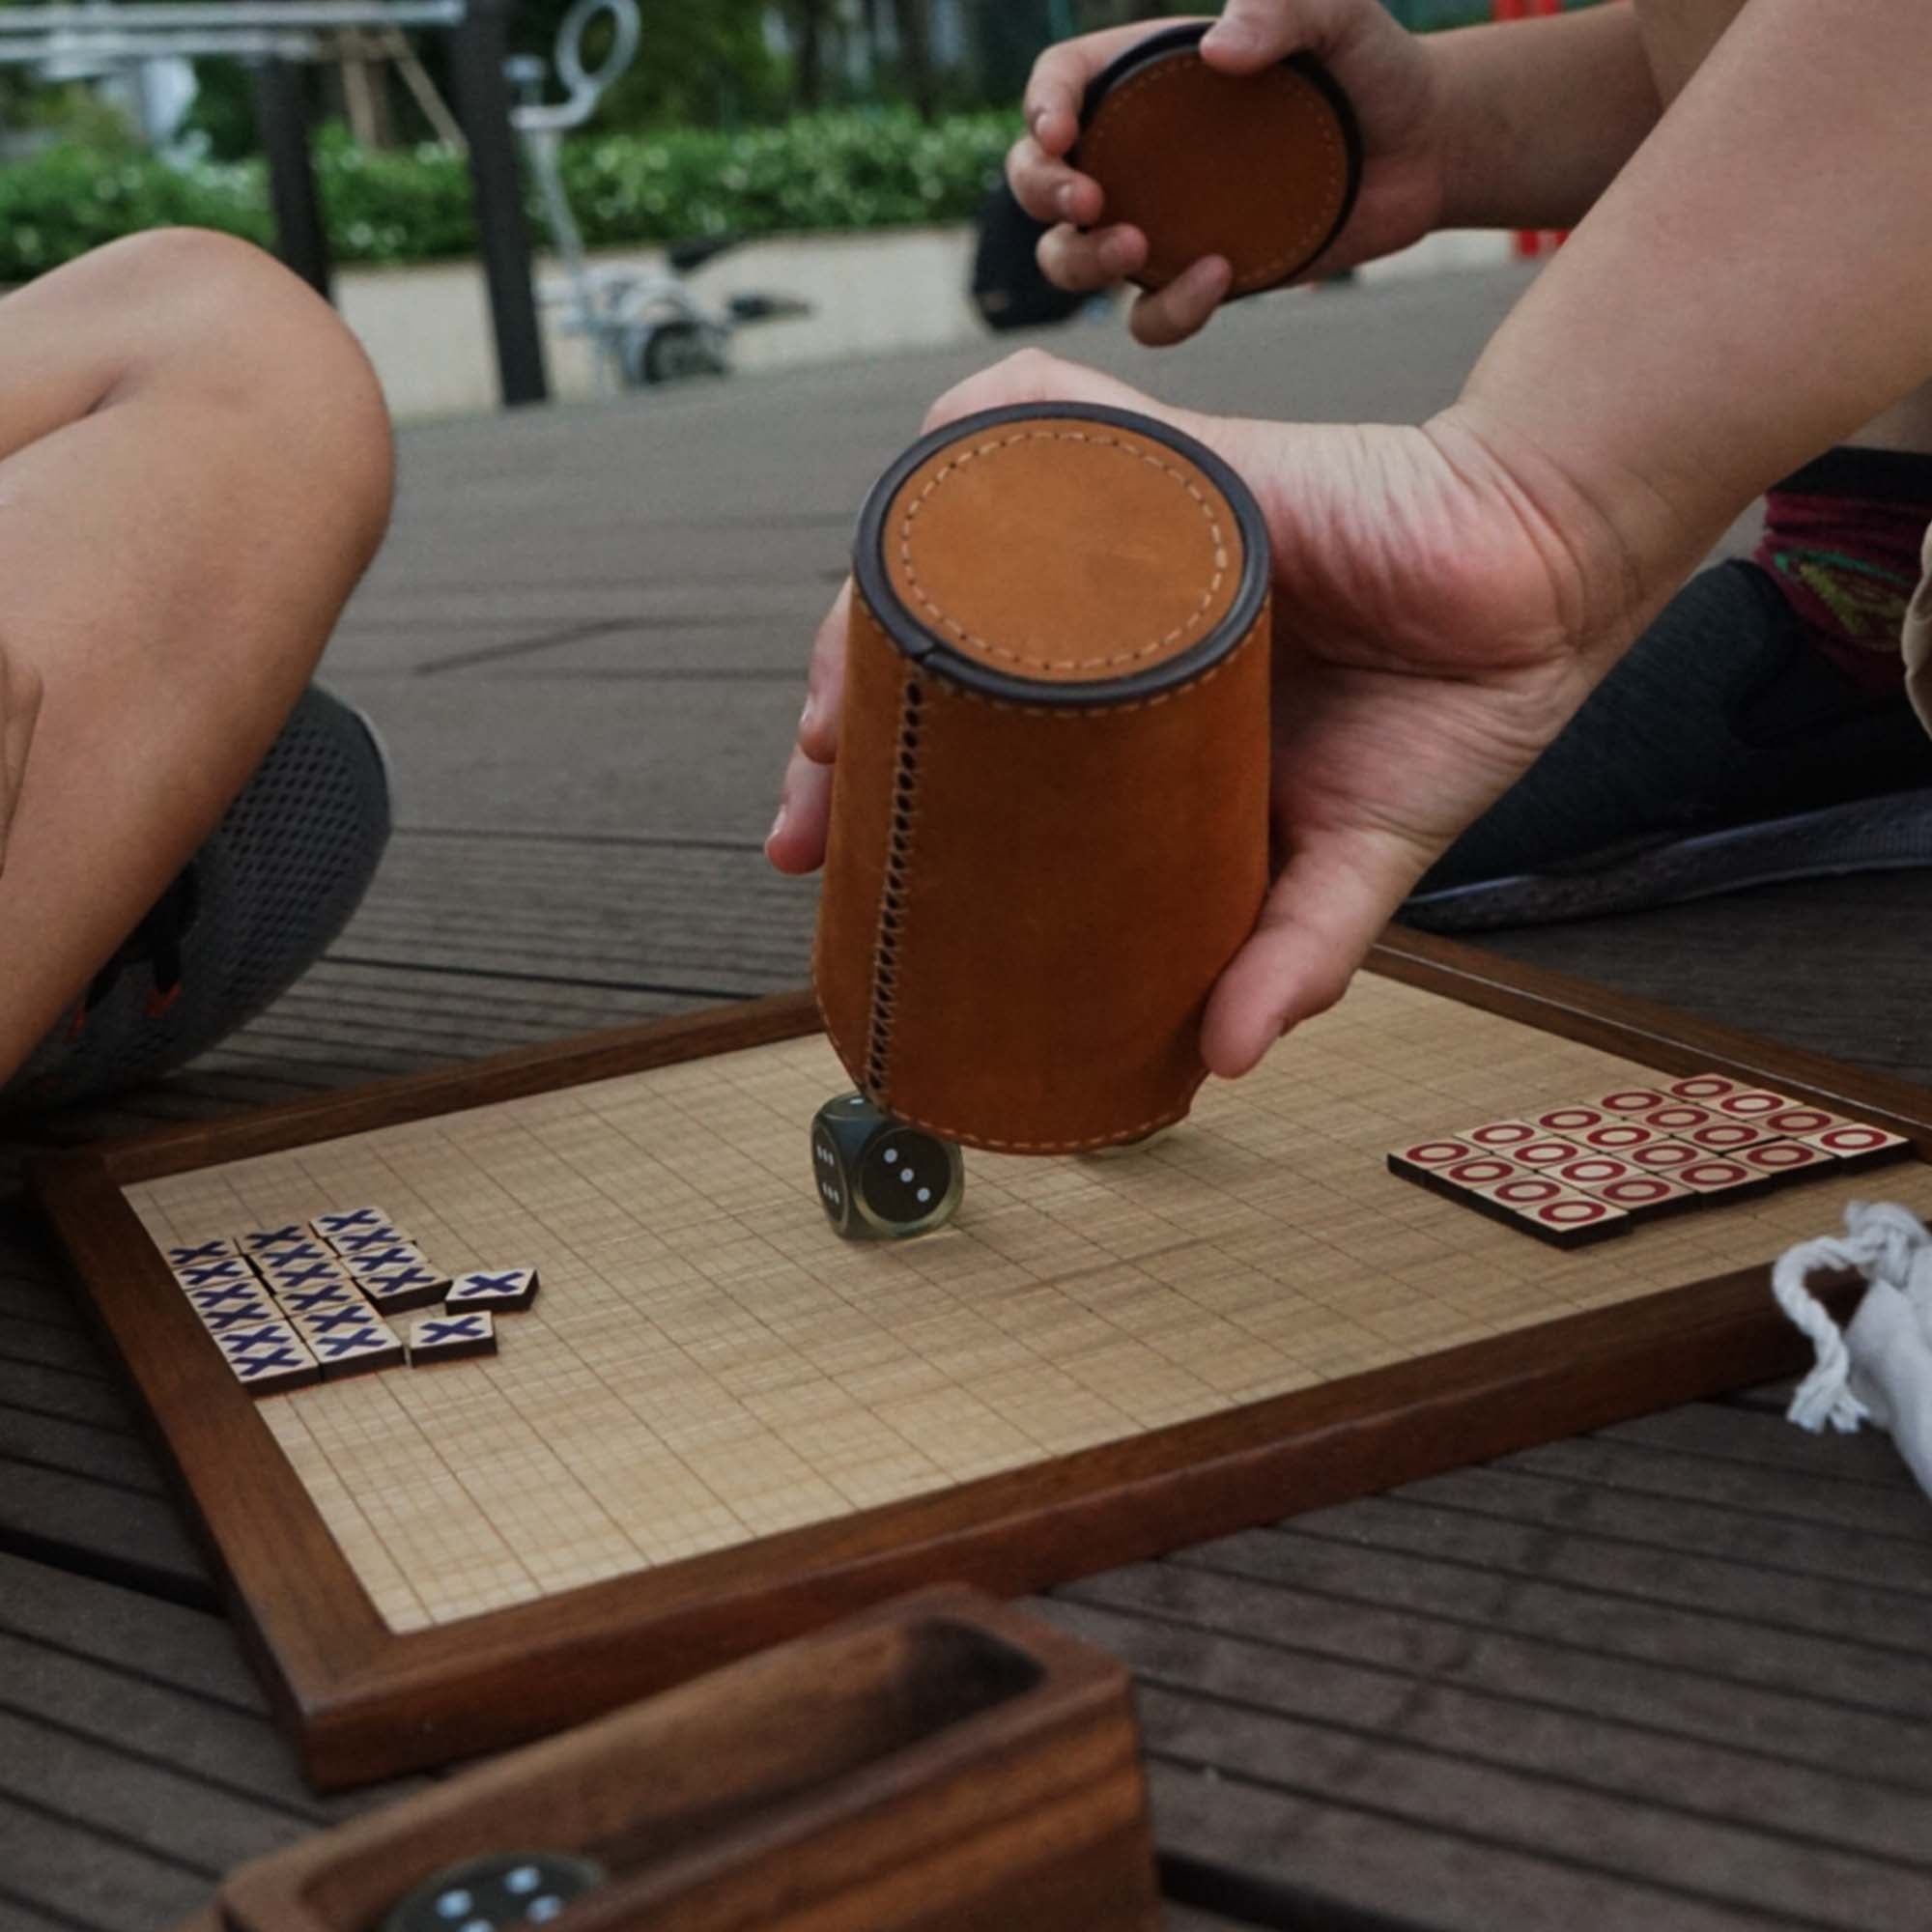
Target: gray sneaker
(255,907)
(1725,750)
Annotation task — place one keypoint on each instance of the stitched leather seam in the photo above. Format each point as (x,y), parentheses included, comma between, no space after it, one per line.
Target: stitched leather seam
(1109,120)
(1258,629)
(1125,1134)
(992,448)
(895,890)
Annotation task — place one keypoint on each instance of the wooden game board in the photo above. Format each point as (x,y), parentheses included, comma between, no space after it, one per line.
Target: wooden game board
(720,1424)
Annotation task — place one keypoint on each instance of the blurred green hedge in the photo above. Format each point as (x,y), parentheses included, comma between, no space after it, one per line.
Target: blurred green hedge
(858,169)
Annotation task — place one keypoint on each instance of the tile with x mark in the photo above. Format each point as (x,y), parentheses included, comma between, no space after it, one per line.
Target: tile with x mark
(293,1254)
(501,1290)
(335,1321)
(385,1255)
(349,1350)
(215,1274)
(256,1338)
(201,1253)
(300,1302)
(257,1238)
(368,1238)
(349,1221)
(448,1338)
(226,1297)
(284,1364)
(240,1315)
(304,1274)
(394,1290)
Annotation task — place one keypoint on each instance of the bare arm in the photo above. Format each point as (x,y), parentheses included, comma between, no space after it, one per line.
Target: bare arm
(1755,285)
(1539,115)
(1518,127)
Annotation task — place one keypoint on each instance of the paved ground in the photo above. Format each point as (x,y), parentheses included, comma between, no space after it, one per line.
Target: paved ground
(1673,1676)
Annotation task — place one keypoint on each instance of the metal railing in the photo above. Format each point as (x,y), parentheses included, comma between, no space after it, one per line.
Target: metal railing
(276,39)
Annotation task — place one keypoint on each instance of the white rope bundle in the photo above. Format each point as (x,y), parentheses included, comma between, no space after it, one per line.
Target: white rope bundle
(1880,1370)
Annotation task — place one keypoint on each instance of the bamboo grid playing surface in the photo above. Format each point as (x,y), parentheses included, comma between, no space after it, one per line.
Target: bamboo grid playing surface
(707,1363)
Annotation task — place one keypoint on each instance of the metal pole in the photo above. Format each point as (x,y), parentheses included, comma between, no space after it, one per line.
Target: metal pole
(281,118)
(477,49)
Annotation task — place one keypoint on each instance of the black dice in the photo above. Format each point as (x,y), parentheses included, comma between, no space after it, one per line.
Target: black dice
(879,1180)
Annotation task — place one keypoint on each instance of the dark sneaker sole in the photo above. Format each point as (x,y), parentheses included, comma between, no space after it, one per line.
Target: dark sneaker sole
(1872,835)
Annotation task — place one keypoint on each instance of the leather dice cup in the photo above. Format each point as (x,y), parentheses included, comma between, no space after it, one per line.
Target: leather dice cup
(1260,168)
(1049,811)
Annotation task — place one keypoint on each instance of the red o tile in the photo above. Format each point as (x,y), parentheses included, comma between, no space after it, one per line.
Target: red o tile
(1715,1177)
(1485,1170)
(1500,1136)
(1703,1088)
(1798,1122)
(1592,1172)
(1784,1156)
(1730,1137)
(1544,1153)
(1634,1100)
(1527,1190)
(1570,1120)
(1752,1103)
(1665,1157)
(1679,1118)
(1855,1137)
(1620,1136)
(1636,1193)
(1577,1210)
(1436,1154)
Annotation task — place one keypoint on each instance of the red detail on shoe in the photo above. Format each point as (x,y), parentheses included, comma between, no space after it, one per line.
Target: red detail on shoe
(78,1024)
(160,1001)
(1847,565)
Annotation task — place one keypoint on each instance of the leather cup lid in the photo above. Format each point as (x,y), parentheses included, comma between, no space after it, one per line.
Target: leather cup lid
(1260,169)
(1062,553)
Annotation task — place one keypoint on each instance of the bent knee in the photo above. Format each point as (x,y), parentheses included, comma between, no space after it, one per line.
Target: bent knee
(233,323)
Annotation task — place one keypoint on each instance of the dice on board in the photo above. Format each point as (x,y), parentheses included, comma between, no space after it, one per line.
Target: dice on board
(879,1178)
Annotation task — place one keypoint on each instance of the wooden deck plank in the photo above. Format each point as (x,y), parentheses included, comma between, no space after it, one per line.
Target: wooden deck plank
(1839,1704)
(1711,1435)
(1241,1663)
(1633,1848)
(1382,1863)
(211,1825)
(1802,1500)
(165,1681)
(1667,1554)
(99,1529)
(42,1344)
(1787,1723)
(37,1390)
(707,921)
(1790,946)
(63,1873)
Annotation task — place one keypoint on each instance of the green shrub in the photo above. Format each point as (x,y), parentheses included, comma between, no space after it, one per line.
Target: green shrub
(858,169)
(67,199)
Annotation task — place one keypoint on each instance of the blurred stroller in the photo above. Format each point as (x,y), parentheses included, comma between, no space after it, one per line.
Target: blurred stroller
(645,323)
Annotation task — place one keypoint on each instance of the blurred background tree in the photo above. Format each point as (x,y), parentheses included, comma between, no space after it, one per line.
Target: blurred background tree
(746,63)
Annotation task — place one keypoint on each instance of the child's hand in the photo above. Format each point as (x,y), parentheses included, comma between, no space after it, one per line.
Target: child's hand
(1384,71)
(1442,606)
(19,712)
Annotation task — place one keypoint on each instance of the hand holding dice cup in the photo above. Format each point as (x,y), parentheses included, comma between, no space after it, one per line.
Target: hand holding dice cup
(1049,818)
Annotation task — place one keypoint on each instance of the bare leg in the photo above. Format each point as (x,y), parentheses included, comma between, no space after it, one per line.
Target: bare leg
(195,469)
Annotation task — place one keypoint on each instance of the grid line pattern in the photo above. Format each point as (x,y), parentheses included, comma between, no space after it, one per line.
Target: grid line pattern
(707,1364)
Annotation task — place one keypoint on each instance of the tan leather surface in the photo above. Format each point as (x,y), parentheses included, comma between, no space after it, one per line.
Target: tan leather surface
(991,546)
(1026,904)
(1078,883)
(1254,168)
(847,937)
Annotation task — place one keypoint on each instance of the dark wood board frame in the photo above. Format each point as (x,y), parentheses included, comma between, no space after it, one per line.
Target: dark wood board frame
(363,1701)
